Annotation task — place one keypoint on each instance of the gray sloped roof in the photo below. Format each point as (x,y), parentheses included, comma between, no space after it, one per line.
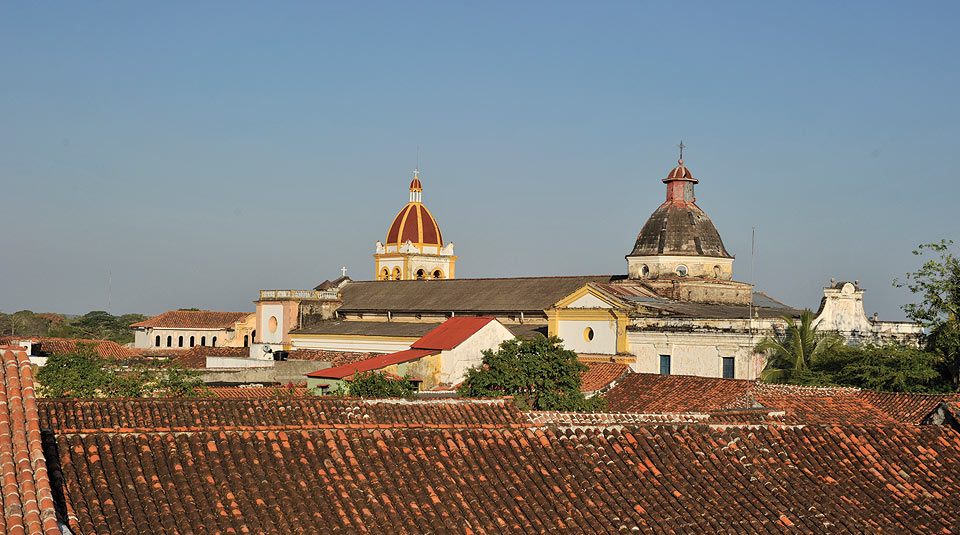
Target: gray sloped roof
(679,229)
(367,328)
(463,295)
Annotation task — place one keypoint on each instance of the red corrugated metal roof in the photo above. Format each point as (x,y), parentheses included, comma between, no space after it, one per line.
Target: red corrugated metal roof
(375,363)
(451,333)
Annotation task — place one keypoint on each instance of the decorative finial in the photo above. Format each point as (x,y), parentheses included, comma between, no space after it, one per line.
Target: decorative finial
(682,146)
(343,271)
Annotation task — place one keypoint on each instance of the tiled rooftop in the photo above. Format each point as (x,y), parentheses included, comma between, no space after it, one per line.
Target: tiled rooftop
(350,466)
(599,375)
(196,356)
(680,394)
(260,392)
(28,506)
(194,319)
(55,346)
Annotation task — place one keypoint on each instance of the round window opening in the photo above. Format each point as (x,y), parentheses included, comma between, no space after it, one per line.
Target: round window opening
(272,324)
(644,270)
(682,270)
(588,334)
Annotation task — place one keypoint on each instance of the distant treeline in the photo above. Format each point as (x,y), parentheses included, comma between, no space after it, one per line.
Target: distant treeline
(97,325)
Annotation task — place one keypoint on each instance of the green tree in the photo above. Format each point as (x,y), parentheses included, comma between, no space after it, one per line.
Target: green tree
(539,373)
(23,323)
(887,368)
(791,352)
(937,283)
(85,374)
(99,325)
(373,384)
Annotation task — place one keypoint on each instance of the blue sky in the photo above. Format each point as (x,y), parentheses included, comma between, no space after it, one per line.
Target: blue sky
(198,152)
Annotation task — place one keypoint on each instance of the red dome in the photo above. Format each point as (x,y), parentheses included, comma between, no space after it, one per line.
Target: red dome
(415,184)
(415,224)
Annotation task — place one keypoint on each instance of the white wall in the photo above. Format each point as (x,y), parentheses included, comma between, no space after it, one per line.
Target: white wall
(455,362)
(263,328)
(695,353)
(604,335)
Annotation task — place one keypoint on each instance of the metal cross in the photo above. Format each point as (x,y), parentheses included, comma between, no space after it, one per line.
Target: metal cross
(682,146)
(416,172)
(343,271)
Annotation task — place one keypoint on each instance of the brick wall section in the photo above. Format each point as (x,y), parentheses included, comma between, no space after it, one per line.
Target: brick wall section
(350,466)
(28,506)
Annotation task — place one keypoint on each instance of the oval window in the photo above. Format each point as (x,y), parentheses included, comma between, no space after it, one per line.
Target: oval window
(272,324)
(588,334)
(682,270)
(644,270)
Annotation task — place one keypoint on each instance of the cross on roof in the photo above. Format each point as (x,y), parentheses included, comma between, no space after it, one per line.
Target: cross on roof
(682,146)
(343,271)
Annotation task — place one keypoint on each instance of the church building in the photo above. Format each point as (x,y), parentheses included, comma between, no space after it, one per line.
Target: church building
(676,311)
(414,248)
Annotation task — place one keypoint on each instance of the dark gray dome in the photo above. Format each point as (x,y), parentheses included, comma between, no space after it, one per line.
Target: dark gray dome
(679,228)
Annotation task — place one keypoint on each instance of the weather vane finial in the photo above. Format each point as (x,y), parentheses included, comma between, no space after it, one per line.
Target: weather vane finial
(682,146)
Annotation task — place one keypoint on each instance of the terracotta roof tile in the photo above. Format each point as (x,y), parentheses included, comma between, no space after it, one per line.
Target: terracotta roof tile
(351,466)
(600,375)
(55,346)
(678,394)
(260,392)
(196,356)
(27,497)
(194,319)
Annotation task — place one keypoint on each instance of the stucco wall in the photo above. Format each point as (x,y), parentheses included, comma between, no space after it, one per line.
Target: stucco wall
(572,332)
(456,361)
(144,339)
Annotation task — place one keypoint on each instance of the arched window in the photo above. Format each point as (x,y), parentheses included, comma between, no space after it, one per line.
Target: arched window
(396,273)
(253,336)
(420,275)
(213,343)
(437,274)
(169,341)
(180,342)
(246,340)
(203,340)
(157,341)
(191,341)
(385,274)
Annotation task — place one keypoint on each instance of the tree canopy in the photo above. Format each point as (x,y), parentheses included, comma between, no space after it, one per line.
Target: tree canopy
(937,283)
(792,352)
(373,384)
(539,373)
(85,374)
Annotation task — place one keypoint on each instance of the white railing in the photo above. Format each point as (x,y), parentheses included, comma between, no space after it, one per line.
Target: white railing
(299,294)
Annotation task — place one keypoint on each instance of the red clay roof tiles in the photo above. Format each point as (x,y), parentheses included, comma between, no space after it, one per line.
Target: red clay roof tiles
(27,499)
(351,466)
(657,394)
(105,348)
(194,319)
(600,375)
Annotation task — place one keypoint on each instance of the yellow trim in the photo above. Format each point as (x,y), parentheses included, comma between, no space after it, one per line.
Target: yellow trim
(585,290)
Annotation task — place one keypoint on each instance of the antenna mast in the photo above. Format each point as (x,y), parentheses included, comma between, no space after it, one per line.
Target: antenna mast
(753,239)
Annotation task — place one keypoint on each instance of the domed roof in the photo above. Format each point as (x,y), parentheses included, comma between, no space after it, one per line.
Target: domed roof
(679,229)
(679,226)
(415,223)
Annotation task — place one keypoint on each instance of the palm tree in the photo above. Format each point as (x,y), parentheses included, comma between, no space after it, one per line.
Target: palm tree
(794,349)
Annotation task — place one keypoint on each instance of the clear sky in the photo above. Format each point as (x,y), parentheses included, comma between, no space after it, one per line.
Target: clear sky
(200,151)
